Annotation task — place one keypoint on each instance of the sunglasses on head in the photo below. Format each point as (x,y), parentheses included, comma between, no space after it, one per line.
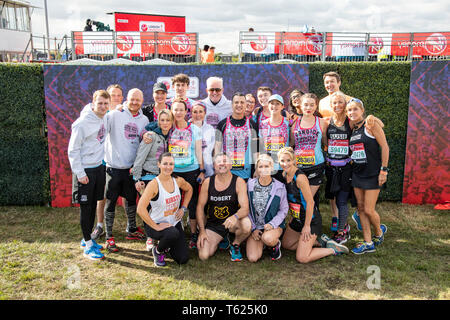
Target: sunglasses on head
(215,89)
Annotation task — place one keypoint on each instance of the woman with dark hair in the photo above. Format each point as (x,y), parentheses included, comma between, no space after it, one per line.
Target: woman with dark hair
(164,221)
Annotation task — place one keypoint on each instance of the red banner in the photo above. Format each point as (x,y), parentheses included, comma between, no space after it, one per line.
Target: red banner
(169,43)
(299,43)
(424,44)
(148,22)
(135,43)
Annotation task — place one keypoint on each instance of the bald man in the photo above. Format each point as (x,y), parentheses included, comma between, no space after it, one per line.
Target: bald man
(124,131)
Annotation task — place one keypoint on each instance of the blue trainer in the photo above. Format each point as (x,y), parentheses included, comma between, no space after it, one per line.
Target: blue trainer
(235,252)
(379,240)
(96,245)
(93,253)
(355,218)
(334,224)
(225,243)
(363,247)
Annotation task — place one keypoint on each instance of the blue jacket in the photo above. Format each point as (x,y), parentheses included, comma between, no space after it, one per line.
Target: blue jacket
(277,207)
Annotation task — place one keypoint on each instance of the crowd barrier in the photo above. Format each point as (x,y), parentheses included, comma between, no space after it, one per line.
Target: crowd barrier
(342,46)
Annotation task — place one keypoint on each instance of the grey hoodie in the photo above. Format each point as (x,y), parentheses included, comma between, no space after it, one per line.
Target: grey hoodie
(125,131)
(148,155)
(86,144)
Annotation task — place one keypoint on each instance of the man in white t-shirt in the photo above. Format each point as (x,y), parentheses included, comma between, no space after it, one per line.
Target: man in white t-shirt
(218,107)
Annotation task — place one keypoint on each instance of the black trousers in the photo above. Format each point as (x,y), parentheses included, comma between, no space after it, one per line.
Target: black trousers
(171,239)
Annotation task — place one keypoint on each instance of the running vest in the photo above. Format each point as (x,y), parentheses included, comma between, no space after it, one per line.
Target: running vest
(221,204)
(237,145)
(274,138)
(297,203)
(338,143)
(366,154)
(180,146)
(307,142)
(167,204)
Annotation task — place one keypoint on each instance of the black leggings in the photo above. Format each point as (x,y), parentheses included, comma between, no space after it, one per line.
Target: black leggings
(342,206)
(171,238)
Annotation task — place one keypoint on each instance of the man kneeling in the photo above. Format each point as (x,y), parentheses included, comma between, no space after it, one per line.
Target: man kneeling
(224,200)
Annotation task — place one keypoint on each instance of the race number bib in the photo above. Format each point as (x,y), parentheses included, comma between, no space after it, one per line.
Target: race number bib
(294,210)
(179,149)
(358,153)
(305,157)
(274,144)
(237,160)
(338,147)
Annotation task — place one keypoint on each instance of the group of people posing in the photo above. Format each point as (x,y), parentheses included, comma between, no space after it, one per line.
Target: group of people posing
(240,173)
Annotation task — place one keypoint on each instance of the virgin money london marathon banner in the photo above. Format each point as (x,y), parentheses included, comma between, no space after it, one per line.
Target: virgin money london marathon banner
(347,44)
(427,163)
(69,88)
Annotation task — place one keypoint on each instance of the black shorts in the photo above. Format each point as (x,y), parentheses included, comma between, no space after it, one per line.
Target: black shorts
(217,228)
(314,174)
(316,224)
(338,179)
(120,183)
(365,183)
(92,191)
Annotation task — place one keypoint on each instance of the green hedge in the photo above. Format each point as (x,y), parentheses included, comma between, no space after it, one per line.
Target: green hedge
(384,89)
(24,169)
(24,173)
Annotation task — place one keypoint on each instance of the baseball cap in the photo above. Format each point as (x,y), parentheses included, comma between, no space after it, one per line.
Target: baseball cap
(159,86)
(277,97)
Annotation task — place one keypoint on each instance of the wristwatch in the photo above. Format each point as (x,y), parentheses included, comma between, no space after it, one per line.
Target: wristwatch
(384,169)
(185,210)
(202,171)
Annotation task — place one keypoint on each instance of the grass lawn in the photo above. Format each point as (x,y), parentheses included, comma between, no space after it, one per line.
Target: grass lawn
(40,258)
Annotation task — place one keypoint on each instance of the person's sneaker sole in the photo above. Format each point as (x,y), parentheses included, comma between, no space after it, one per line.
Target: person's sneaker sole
(92,258)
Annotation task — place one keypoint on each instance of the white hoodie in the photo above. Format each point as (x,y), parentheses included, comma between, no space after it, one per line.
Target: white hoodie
(124,132)
(86,144)
(218,112)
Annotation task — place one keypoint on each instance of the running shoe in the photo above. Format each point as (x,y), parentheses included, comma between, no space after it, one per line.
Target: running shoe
(355,217)
(158,258)
(83,244)
(340,238)
(149,244)
(111,245)
(235,252)
(93,253)
(363,247)
(334,224)
(136,235)
(193,241)
(323,239)
(379,240)
(338,248)
(97,233)
(275,252)
(347,229)
(225,243)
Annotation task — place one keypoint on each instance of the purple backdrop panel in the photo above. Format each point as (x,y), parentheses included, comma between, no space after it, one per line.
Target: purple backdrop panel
(69,88)
(427,163)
